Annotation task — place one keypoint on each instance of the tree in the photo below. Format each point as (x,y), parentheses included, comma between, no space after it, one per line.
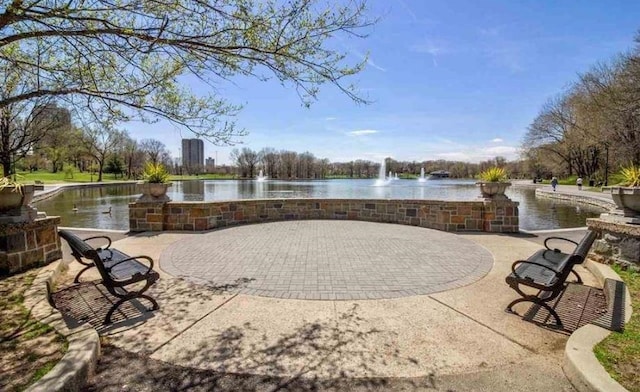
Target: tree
(23,123)
(114,165)
(246,161)
(133,156)
(99,142)
(153,148)
(57,139)
(126,60)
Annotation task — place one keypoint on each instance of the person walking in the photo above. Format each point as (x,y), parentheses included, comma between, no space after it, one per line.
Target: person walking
(579,183)
(554,183)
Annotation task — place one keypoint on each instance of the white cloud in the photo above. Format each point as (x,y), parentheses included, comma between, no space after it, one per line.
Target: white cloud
(331,118)
(497,140)
(363,132)
(431,47)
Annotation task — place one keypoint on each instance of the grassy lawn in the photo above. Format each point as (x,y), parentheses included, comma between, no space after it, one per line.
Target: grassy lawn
(61,177)
(28,349)
(619,353)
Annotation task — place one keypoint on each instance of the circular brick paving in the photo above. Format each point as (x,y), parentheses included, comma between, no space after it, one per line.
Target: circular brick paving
(328,260)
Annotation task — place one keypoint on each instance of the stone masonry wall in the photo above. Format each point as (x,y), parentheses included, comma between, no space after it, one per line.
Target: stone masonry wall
(29,244)
(617,243)
(482,215)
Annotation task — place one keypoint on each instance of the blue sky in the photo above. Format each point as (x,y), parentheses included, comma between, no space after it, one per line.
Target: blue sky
(457,80)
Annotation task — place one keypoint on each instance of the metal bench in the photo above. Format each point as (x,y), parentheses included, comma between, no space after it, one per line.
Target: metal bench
(547,270)
(117,270)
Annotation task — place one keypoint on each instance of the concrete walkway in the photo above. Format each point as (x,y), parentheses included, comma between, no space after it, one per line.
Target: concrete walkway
(457,339)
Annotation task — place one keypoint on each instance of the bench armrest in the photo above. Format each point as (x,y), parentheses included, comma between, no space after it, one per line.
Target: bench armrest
(149,259)
(518,262)
(557,238)
(99,236)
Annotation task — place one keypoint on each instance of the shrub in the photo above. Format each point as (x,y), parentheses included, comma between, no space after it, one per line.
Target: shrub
(630,176)
(155,173)
(493,174)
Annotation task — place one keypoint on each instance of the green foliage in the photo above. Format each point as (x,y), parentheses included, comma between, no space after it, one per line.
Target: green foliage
(629,176)
(126,58)
(114,165)
(493,174)
(155,173)
(68,172)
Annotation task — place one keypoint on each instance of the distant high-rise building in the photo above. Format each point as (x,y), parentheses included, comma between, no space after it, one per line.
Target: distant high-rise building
(210,165)
(192,154)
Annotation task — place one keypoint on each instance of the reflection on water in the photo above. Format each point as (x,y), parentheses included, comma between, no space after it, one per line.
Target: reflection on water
(535,214)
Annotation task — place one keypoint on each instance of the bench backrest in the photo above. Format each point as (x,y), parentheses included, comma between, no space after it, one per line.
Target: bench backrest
(581,251)
(79,248)
(577,257)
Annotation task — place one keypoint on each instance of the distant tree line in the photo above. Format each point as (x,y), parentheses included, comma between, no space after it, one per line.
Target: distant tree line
(49,140)
(284,164)
(593,127)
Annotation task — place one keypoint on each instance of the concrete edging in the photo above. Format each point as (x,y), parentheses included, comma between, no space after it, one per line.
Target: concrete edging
(586,198)
(80,360)
(580,365)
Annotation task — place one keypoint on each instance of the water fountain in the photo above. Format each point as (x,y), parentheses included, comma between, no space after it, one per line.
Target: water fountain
(422,179)
(261,176)
(382,180)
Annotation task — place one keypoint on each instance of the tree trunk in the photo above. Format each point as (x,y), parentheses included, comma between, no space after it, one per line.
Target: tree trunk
(100,165)
(6,165)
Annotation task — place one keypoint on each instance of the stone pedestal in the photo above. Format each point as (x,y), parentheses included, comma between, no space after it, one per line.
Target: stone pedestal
(29,244)
(618,243)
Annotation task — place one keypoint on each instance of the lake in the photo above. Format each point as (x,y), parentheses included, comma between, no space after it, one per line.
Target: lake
(93,202)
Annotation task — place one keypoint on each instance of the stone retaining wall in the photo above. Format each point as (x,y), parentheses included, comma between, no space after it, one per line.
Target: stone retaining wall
(589,198)
(618,243)
(499,216)
(29,244)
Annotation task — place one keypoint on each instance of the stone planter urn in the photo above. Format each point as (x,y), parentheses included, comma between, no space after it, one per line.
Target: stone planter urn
(15,205)
(154,192)
(627,200)
(493,190)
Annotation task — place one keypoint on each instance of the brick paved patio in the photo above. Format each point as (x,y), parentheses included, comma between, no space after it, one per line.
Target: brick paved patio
(321,260)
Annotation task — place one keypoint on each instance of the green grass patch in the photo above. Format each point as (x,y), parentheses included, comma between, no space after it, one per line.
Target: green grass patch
(619,353)
(28,348)
(61,177)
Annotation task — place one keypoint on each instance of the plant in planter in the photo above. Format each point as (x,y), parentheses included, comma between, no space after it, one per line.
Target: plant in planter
(626,194)
(15,200)
(156,177)
(493,183)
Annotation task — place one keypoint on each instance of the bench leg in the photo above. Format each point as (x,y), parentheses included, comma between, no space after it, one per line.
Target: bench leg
(77,279)
(579,281)
(536,301)
(107,319)
(130,296)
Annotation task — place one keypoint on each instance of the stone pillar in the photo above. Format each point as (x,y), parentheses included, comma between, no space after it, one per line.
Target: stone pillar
(500,216)
(146,216)
(29,244)
(618,243)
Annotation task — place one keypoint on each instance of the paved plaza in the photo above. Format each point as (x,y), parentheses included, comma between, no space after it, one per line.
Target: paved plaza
(455,336)
(322,260)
